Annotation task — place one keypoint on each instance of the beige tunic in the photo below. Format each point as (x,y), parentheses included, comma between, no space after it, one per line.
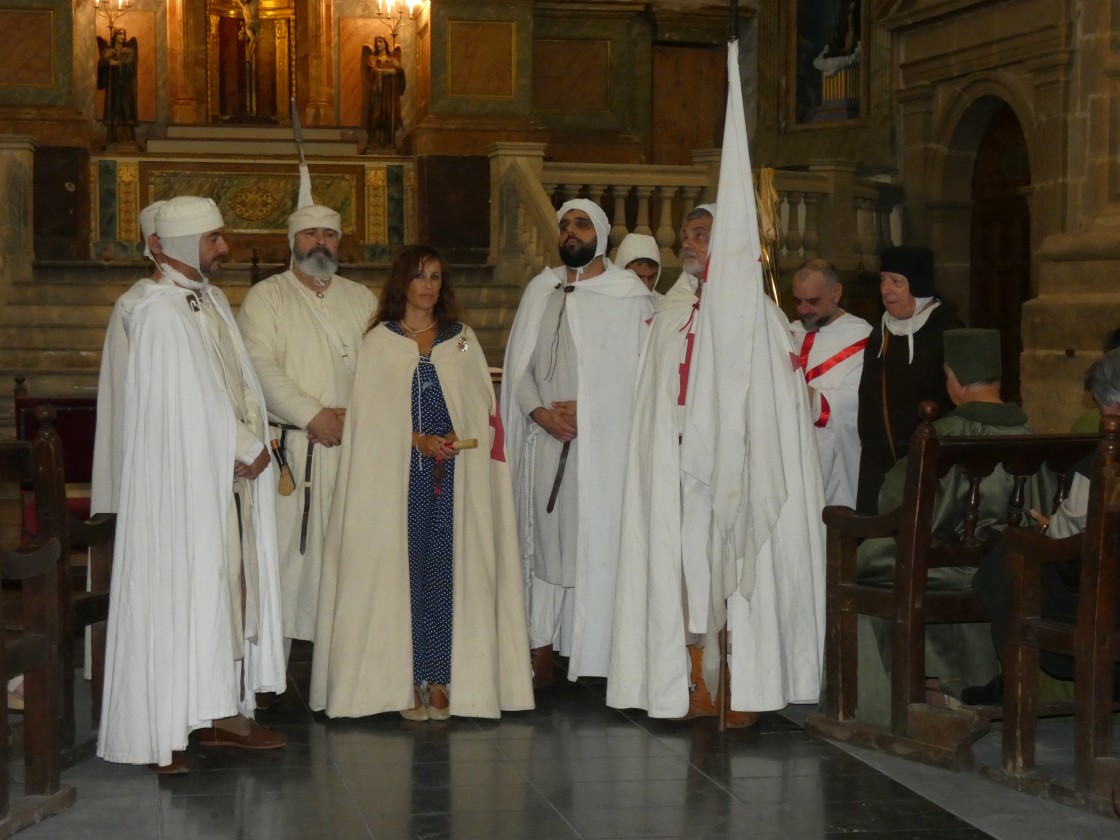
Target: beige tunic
(304,368)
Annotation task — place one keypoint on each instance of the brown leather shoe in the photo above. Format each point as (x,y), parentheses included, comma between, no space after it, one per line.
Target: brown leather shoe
(439,702)
(700,703)
(543,666)
(177,767)
(741,720)
(257,738)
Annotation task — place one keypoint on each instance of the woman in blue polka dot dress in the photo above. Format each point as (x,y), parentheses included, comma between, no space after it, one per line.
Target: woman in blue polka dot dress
(421,585)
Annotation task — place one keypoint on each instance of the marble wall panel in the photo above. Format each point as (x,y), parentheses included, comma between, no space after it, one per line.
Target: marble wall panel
(376,202)
(37,60)
(258,201)
(29,58)
(556,88)
(481,59)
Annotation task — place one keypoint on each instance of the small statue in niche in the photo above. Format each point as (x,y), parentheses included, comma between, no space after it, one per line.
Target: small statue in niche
(251,14)
(383,83)
(116,75)
(845,36)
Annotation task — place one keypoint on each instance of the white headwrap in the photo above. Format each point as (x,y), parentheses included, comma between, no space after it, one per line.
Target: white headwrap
(312,216)
(638,246)
(181,221)
(148,225)
(598,218)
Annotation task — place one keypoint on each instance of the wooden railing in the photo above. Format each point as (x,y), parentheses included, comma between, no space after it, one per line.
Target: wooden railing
(825,210)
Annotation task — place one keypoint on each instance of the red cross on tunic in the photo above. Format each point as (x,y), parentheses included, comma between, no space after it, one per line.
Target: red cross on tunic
(824,367)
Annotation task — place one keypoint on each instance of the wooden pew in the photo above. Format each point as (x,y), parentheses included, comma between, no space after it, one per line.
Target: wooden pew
(31,637)
(935,735)
(1092,640)
(74,419)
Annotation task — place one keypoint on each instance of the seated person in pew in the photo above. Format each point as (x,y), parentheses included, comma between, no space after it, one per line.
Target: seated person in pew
(1059,592)
(956,654)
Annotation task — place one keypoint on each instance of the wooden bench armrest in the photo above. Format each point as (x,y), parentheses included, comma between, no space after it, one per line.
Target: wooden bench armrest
(1035,547)
(29,560)
(860,525)
(96,530)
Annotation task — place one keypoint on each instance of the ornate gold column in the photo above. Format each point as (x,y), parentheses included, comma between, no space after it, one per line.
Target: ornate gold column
(315,88)
(186,61)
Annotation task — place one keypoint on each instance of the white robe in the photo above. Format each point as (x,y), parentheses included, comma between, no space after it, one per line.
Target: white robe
(303,368)
(836,401)
(649,668)
(108,445)
(170,658)
(363,642)
(607,318)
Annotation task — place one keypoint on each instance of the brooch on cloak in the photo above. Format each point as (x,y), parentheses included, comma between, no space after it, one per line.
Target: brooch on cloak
(464,345)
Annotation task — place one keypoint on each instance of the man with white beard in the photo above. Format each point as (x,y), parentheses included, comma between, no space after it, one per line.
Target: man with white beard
(567,393)
(302,329)
(194,616)
(664,577)
(830,345)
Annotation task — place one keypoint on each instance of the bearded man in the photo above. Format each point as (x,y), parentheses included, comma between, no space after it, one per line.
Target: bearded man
(567,394)
(194,616)
(302,329)
(830,344)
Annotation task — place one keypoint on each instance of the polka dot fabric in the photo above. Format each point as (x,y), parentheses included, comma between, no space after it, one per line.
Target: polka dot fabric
(430,528)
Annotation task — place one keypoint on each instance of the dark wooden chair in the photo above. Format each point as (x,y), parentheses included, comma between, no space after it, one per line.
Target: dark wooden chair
(1093,641)
(84,594)
(31,637)
(936,735)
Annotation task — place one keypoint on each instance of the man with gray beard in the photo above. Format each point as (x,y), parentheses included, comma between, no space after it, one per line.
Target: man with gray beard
(302,329)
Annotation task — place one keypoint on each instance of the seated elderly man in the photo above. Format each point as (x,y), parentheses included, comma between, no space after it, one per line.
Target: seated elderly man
(957,655)
(1059,596)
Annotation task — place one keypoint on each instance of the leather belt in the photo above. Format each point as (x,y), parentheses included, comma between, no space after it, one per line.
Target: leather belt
(559,476)
(285,428)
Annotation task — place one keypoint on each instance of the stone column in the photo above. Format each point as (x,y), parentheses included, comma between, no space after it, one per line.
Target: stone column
(838,239)
(17,162)
(503,213)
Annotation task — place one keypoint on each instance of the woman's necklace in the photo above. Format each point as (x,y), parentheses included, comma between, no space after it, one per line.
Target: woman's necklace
(413,332)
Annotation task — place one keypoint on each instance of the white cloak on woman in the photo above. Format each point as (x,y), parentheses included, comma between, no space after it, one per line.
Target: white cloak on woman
(363,641)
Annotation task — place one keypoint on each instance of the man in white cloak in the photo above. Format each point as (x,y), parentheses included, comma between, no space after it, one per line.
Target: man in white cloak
(108,444)
(830,343)
(302,329)
(194,618)
(567,393)
(658,645)
(638,252)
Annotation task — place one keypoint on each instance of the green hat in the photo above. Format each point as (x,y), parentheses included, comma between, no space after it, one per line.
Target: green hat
(973,355)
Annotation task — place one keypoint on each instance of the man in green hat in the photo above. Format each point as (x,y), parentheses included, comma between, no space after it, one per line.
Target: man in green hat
(959,655)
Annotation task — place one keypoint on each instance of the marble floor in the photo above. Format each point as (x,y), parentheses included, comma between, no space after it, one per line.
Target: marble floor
(570,769)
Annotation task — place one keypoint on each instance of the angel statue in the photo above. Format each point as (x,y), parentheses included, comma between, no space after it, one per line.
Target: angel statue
(383,84)
(116,75)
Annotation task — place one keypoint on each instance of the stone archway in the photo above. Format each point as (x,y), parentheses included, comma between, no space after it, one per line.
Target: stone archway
(1000,265)
(980,222)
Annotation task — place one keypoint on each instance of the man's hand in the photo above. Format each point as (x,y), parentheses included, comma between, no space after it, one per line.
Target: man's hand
(559,421)
(325,427)
(251,471)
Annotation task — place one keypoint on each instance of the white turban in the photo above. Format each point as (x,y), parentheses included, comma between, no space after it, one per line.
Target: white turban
(181,221)
(598,219)
(711,208)
(638,246)
(148,224)
(313,216)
